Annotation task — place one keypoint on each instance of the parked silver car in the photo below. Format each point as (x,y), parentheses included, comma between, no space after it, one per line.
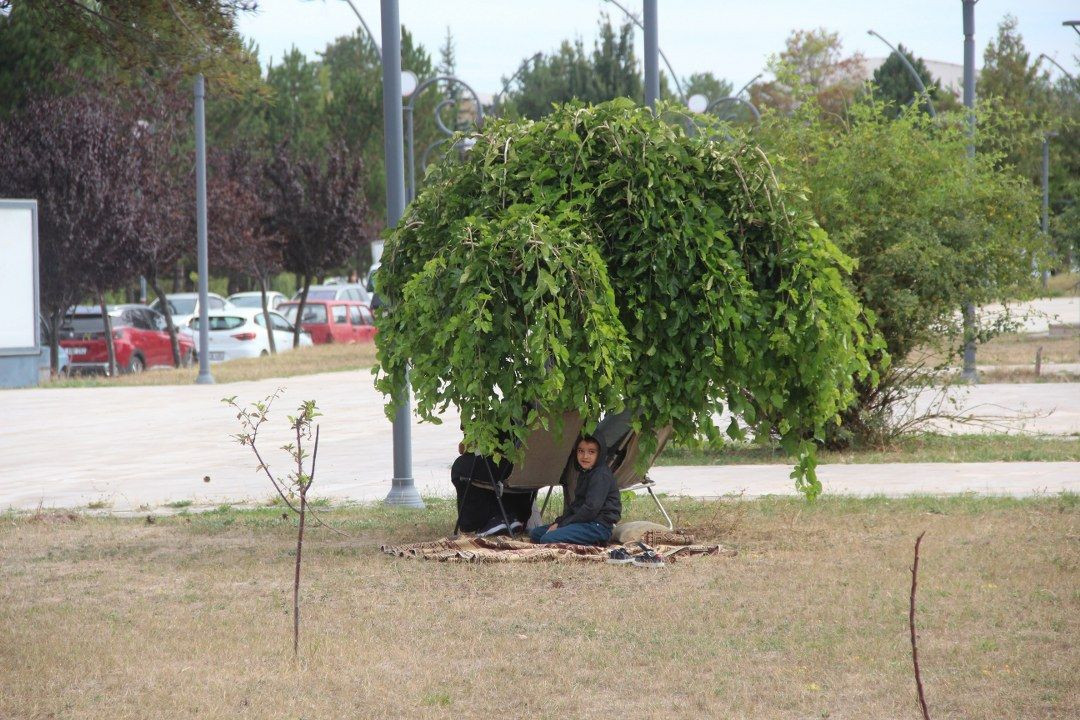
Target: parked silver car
(344,291)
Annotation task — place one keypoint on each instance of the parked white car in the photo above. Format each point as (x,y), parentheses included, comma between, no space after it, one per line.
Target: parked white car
(185,306)
(254,299)
(241,333)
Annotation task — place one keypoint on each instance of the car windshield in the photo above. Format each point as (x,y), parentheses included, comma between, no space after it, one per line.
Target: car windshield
(177,306)
(226,322)
(83,324)
(313,314)
(247,301)
(330,294)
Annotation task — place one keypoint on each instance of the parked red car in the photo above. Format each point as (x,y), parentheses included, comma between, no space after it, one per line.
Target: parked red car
(139,337)
(329,321)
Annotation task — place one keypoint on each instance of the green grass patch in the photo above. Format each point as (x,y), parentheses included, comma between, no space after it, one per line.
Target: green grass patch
(929,447)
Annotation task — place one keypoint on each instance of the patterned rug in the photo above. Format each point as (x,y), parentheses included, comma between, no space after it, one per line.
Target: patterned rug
(503,549)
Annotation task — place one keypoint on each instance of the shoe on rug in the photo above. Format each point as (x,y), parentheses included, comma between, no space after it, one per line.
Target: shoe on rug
(648,559)
(494,526)
(619,556)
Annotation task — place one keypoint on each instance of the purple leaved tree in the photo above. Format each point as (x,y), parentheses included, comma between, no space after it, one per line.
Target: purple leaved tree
(75,155)
(237,204)
(318,211)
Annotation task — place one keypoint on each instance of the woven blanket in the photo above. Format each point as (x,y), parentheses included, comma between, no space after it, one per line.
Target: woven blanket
(503,549)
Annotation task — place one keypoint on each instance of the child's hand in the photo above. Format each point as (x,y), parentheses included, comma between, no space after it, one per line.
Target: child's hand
(553,526)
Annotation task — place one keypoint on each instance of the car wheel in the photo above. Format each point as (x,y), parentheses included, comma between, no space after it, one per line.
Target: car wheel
(135,365)
(187,358)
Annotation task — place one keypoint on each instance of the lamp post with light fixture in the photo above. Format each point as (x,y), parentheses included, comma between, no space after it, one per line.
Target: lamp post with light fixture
(410,90)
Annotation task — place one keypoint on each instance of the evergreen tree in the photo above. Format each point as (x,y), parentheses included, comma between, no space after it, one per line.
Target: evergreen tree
(895,85)
(1019,85)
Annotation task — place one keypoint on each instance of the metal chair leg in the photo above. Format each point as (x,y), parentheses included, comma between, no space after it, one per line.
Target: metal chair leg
(502,508)
(670,524)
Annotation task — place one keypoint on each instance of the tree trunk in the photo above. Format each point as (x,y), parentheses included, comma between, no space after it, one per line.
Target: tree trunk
(266,315)
(178,277)
(296,577)
(169,324)
(55,318)
(300,311)
(109,346)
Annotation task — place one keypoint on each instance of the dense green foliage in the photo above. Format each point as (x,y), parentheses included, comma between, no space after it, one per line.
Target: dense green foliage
(600,258)
(610,71)
(930,228)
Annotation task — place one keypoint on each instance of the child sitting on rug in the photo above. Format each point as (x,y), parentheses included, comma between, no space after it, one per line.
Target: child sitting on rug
(596,507)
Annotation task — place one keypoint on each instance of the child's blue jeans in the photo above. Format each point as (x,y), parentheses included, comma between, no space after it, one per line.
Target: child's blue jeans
(590,533)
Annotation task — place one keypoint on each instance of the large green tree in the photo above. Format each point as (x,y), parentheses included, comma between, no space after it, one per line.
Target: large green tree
(812,63)
(142,36)
(600,258)
(1012,77)
(353,109)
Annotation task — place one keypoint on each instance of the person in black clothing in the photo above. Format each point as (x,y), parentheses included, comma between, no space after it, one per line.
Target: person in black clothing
(596,507)
(478,510)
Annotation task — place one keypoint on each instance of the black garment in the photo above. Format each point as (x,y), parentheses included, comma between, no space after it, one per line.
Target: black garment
(596,496)
(479,505)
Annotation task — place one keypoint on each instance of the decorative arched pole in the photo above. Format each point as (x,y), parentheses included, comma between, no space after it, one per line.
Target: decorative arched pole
(410,106)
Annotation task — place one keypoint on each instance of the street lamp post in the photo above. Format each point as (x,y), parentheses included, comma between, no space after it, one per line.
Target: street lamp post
(633,18)
(1046,198)
(652,54)
(1055,62)
(366,28)
(969,372)
(447,132)
(734,100)
(204,378)
(402,490)
(911,69)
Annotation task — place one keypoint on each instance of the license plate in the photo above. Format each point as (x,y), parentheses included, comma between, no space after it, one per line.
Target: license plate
(217,356)
(76,351)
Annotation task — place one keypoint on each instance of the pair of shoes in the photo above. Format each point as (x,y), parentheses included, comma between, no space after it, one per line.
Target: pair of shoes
(496,526)
(648,559)
(619,556)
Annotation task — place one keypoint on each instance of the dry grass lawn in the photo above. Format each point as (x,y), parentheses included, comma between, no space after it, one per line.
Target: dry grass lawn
(1016,349)
(301,361)
(189,617)
(1062,285)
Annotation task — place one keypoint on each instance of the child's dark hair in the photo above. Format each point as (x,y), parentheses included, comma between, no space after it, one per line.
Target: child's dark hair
(589,439)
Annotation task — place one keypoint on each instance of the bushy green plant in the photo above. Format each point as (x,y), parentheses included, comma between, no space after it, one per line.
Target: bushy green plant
(930,228)
(601,258)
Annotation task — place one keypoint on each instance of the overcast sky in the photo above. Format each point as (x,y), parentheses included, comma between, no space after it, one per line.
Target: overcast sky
(731,38)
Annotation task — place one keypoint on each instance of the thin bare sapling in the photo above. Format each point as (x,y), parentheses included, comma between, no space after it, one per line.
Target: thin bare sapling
(294,487)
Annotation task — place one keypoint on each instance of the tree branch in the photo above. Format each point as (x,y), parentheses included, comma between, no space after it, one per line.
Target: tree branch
(911,624)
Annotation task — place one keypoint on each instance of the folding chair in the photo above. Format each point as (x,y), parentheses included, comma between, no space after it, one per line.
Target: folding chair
(547,455)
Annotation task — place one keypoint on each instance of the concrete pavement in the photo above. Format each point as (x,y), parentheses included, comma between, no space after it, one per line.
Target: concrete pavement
(142,447)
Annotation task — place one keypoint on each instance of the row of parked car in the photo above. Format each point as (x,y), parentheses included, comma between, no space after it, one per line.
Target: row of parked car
(237,328)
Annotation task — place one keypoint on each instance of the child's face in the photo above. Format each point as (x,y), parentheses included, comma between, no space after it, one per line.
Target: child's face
(587,452)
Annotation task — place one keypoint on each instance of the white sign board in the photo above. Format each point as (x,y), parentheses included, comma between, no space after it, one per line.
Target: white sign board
(18,276)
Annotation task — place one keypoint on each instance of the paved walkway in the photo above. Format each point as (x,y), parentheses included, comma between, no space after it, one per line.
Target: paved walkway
(135,447)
